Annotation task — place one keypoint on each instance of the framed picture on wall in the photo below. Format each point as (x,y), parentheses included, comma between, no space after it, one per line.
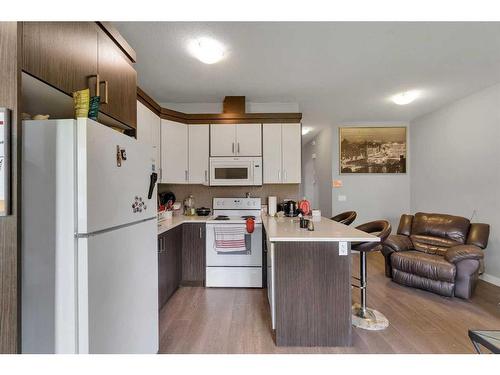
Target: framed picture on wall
(372,149)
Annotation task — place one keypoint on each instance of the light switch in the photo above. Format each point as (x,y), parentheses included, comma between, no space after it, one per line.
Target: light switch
(342,198)
(342,248)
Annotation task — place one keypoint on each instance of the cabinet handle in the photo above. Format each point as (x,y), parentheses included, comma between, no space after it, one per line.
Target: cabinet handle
(105,101)
(186,175)
(238,147)
(201,236)
(206,175)
(279,175)
(232,148)
(284,176)
(97,84)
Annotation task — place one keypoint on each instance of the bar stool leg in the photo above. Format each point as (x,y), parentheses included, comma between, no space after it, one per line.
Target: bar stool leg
(362,316)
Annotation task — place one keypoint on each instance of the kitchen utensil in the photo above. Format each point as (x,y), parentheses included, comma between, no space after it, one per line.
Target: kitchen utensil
(250,225)
(203,211)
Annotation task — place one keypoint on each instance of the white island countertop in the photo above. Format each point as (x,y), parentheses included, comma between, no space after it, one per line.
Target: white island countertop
(287,229)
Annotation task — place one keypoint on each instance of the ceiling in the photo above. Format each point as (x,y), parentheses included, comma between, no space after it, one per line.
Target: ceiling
(337,72)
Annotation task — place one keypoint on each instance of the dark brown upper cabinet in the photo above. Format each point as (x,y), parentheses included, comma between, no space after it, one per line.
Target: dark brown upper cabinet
(118,88)
(62,54)
(70,55)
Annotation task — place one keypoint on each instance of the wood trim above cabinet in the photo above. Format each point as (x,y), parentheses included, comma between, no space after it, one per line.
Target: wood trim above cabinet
(110,30)
(216,118)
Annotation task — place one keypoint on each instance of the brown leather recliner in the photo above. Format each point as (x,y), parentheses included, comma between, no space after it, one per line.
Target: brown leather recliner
(436,252)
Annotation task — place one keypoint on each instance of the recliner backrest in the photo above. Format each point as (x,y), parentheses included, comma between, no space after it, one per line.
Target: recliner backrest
(445,226)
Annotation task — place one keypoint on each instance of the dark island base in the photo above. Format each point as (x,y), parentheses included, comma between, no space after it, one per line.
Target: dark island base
(313,294)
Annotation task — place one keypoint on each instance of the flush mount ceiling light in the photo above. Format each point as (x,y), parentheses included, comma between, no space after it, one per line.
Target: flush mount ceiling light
(207,50)
(406,97)
(306,130)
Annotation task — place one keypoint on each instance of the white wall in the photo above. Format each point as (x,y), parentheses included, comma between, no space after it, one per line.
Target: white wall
(317,173)
(455,156)
(309,185)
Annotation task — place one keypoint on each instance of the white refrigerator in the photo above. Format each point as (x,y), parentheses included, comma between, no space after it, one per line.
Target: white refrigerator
(89,276)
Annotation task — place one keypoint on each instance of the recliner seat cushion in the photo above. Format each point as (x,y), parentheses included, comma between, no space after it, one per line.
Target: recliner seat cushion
(431,244)
(450,227)
(424,265)
(440,287)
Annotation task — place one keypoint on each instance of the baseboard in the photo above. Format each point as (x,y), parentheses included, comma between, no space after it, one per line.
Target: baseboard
(490,279)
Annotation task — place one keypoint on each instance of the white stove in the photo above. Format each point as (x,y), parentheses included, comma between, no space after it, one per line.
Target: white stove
(234,256)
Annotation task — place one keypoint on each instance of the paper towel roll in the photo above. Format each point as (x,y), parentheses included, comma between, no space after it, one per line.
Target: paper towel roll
(271,206)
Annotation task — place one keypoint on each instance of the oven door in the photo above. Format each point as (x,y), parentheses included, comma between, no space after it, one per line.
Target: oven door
(231,171)
(248,255)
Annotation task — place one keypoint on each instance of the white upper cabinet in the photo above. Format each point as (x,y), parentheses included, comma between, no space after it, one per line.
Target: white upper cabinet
(249,140)
(271,141)
(236,140)
(291,146)
(222,140)
(282,153)
(148,131)
(198,153)
(174,152)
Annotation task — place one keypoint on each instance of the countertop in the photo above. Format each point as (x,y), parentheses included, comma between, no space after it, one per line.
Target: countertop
(168,224)
(287,229)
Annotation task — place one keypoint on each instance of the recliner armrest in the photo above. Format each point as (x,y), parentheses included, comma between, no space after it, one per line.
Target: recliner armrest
(460,252)
(396,242)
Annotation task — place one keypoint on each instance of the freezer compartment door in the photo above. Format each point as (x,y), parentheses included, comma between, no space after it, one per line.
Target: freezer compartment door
(118,291)
(113,178)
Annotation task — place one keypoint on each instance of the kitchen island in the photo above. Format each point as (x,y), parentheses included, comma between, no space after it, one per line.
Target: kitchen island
(309,280)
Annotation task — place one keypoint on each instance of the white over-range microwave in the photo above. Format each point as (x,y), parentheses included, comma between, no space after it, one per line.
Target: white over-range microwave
(236,171)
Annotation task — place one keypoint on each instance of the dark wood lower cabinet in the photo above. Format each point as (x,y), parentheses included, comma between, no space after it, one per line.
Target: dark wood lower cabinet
(193,254)
(169,264)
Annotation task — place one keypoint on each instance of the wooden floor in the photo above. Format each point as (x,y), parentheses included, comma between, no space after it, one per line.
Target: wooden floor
(199,320)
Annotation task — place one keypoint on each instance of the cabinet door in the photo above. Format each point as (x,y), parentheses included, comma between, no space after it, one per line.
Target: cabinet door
(174,152)
(291,144)
(143,123)
(116,69)
(63,54)
(223,139)
(198,154)
(193,253)
(249,139)
(271,155)
(148,131)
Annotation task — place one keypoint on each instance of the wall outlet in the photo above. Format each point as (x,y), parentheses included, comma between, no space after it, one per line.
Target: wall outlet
(342,198)
(342,248)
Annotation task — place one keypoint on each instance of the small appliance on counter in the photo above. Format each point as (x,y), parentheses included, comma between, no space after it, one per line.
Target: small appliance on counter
(189,209)
(291,209)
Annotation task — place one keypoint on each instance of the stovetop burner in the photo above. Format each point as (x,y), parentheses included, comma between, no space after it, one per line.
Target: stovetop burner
(221,217)
(248,217)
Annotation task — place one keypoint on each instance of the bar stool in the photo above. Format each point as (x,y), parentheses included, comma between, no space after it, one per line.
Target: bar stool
(345,217)
(362,316)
